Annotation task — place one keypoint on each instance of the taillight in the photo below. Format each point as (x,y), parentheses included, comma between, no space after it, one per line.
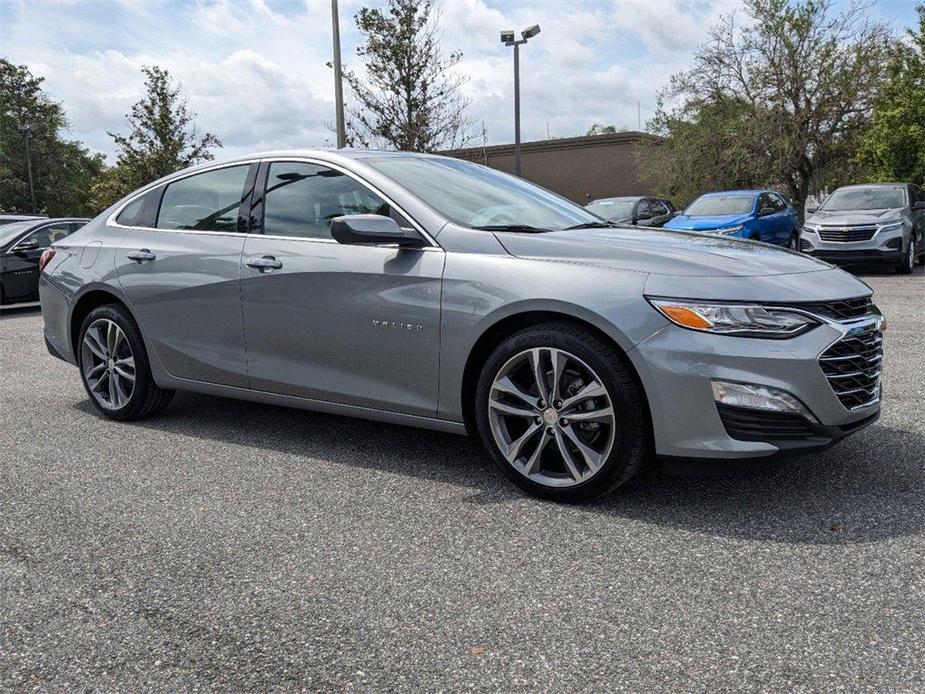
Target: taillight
(47,255)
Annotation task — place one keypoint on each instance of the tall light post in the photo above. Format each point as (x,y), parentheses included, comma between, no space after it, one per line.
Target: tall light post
(507,38)
(338,80)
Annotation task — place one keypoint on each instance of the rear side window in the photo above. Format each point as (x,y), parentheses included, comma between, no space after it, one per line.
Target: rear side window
(142,211)
(48,235)
(205,202)
(302,199)
(659,208)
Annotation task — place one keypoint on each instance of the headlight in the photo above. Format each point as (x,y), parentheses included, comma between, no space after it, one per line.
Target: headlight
(741,320)
(730,231)
(891,226)
(810,229)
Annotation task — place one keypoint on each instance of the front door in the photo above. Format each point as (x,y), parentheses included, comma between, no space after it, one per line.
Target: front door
(356,325)
(180,273)
(21,276)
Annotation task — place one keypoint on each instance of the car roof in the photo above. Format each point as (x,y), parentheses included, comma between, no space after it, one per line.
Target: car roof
(874,185)
(620,197)
(753,191)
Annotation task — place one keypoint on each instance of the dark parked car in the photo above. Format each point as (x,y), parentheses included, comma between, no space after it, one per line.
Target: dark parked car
(21,246)
(644,212)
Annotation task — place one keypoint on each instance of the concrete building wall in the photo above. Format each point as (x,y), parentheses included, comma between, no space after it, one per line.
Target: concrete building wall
(580,168)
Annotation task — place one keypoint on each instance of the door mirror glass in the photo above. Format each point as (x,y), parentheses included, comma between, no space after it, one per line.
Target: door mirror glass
(27,245)
(371,229)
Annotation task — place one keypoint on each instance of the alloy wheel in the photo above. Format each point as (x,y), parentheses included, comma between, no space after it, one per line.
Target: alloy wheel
(108,364)
(551,417)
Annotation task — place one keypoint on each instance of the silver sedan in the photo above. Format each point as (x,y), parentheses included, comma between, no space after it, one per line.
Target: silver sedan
(438,293)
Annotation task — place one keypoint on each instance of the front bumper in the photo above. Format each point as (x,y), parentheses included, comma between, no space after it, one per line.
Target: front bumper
(677,367)
(885,247)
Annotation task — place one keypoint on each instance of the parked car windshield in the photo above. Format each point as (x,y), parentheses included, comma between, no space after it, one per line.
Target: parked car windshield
(8,232)
(476,196)
(715,205)
(873,198)
(612,209)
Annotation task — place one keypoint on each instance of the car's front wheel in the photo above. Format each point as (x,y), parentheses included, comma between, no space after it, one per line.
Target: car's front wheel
(561,414)
(907,264)
(114,366)
(793,243)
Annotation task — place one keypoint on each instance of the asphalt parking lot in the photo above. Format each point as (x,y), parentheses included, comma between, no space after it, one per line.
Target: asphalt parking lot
(238,546)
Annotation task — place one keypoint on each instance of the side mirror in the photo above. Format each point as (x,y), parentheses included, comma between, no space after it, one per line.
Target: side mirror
(27,245)
(765,211)
(372,229)
(811,207)
(920,205)
(643,216)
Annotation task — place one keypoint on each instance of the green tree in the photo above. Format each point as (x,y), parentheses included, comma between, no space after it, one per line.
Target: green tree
(162,138)
(802,79)
(61,169)
(893,147)
(408,95)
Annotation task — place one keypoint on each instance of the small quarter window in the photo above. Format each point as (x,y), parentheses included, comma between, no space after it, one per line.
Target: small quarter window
(205,202)
(142,211)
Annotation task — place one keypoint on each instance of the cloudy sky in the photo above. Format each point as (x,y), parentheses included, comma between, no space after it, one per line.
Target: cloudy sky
(254,70)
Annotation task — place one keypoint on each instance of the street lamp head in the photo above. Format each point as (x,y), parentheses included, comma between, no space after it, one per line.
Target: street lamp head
(530,31)
(507,37)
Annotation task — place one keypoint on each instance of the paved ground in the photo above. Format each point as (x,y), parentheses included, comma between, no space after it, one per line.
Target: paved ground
(235,546)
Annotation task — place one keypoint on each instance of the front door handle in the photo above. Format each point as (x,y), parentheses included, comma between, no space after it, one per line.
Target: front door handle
(264,263)
(142,256)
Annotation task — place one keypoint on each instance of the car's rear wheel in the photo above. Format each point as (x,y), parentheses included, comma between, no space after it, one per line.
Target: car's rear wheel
(907,264)
(114,366)
(561,414)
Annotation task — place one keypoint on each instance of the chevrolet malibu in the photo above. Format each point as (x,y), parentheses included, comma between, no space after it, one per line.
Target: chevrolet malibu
(438,293)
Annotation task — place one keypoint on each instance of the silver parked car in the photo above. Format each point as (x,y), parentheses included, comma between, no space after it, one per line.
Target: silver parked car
(438,293)
(878,223)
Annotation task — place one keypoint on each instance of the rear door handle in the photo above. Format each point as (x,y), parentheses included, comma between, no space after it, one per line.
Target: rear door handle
(142,256)
(264,262)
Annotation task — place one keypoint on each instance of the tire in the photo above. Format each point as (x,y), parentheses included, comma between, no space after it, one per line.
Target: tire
(106,361)
(907,264)
(794,243)
(618,444)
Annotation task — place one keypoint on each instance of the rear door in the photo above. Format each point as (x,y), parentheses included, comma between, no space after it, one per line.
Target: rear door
(356,325)
(21,279)
(179,266)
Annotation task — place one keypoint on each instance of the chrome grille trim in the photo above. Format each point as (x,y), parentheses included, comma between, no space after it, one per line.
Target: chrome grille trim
(853,367)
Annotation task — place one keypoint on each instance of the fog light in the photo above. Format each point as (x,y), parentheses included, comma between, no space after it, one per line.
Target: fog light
(755,397)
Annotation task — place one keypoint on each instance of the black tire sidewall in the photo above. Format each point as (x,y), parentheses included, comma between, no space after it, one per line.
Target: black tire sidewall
(625,397)
(905,267)
(143,379)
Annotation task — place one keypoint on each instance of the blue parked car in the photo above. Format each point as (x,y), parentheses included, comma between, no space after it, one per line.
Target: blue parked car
(761,215)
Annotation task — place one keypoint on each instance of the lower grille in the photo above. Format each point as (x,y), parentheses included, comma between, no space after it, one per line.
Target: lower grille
(853,366)
(847,234)
(756,425)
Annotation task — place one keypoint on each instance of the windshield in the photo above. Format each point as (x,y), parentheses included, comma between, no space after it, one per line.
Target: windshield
(476,196)
(612,209)
(717,205)
(873,198)
(8,232)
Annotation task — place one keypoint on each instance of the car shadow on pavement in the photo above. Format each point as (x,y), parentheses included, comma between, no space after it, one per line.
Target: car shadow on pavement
(868,488)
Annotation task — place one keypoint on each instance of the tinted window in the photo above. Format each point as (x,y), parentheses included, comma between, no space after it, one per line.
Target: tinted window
(302,199)
(473,195)
(659,208)
(141,212)
(13,230)
(779,203)
(205,202)
(873,198)
(735,203)
(48,235)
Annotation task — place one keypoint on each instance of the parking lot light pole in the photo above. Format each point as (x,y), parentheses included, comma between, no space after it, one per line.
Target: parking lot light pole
(338,79)
(507,38)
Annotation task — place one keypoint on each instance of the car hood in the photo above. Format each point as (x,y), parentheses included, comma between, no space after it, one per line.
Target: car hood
(660,252)
(848,217)
(706,223)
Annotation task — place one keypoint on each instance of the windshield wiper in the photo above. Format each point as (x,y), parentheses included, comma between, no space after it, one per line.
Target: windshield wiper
(511,227)
(593,225)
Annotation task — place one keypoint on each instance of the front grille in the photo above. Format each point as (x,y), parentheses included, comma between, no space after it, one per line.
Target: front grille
(846,234)
(757,425)
(843,309)
(853,366)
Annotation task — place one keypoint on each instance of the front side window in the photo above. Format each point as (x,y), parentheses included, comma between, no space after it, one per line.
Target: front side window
(717,205)
(48,235)
(873,198)
(302,199)
(205,202)
(475,196)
